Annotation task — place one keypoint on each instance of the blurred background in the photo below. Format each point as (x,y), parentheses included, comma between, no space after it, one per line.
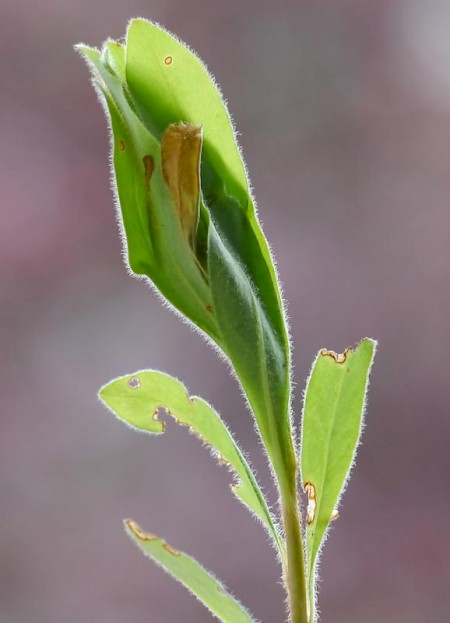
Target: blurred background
(343,110)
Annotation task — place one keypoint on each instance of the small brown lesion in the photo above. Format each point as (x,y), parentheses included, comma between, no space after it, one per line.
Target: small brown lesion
(122,145)
(222,461)
(338,357)
(171,550)
(168,60)
(209,308)
(138,532)
(310,491)
(149,167)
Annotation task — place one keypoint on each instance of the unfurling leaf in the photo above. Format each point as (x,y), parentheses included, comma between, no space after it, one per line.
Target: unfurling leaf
(200,582)
(331,428)
(189,219)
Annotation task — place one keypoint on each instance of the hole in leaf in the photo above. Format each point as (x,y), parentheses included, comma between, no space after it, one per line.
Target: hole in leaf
(134,382)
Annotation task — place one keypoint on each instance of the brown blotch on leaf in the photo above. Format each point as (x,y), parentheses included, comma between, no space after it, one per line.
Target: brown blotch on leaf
(137,531)
(122,145)
(149,167)
(338,357)
(181,147)
(168,60)
(209,308)
(310,490)
(171,550)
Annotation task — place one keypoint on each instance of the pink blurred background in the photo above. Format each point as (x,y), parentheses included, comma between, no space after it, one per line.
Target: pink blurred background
(344,114)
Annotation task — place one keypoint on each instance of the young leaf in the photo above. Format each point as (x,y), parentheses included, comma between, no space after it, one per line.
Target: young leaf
(193,229)
(168,83)
(156,245)
(136,398)
(200,582)
(331,428)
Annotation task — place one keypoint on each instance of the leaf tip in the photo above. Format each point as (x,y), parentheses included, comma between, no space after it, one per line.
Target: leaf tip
(133,529)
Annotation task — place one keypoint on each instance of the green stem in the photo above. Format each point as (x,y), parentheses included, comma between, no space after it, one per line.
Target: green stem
(295,573)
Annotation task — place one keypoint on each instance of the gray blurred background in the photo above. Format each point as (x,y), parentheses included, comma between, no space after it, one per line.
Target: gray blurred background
(343,110)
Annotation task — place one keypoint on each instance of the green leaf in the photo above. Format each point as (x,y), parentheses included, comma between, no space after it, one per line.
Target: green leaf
(331,428)
(205,251)
(155,243)
(257,355)
(136,398)
(200,582)
(169,83)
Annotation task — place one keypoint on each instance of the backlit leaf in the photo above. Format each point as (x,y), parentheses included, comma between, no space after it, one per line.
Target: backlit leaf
(136,399)
(200,582)
(331,428)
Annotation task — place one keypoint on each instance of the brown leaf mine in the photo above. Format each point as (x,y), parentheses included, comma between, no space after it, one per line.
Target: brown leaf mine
(338,357)
(181,147)
(171,550)
(310,490)
(149,167)
(137,531)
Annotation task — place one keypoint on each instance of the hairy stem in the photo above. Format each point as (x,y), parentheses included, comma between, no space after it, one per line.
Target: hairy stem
(295,573)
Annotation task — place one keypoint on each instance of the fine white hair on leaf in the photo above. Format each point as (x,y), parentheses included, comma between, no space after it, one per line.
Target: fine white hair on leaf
(330,526)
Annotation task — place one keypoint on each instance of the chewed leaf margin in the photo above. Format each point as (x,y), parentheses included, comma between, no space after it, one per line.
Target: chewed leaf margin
(137,399)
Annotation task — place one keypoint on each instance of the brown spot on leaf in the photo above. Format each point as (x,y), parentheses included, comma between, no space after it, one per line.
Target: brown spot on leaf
(122,145)
(168,60)
(338,357)
(209,308)
(137,531)
(171,550)
(149,167)
(310,490)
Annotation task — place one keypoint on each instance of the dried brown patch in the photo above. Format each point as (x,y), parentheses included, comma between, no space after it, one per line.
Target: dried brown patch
(149,167)
(338,357)
(171,550)
(310,490)
(137,531)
